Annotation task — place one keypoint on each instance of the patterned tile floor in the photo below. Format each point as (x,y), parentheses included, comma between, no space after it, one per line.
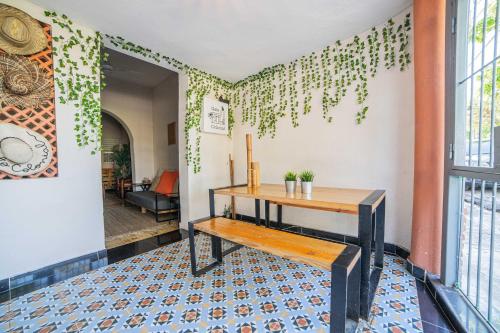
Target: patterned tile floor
(250,292)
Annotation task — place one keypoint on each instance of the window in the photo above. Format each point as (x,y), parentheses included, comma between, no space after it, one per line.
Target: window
(478,77)
(472,242)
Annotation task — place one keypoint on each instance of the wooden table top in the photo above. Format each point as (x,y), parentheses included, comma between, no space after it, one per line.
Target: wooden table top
(303,249)
(340,200)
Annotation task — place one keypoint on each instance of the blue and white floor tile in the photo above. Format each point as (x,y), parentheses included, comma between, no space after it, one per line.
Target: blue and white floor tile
(250,292)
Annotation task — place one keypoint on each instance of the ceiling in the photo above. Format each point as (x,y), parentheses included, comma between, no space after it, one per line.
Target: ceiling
(129,69)
(229,38)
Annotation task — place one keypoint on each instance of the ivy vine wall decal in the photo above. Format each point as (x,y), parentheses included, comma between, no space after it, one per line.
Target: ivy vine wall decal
(79,78)
(262,98)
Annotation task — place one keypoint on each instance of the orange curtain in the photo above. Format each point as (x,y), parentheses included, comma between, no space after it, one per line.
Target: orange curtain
(429,54)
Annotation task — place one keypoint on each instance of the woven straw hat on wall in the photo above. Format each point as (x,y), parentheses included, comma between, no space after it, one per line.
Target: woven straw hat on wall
(22,82)
(20,33)
(23,152)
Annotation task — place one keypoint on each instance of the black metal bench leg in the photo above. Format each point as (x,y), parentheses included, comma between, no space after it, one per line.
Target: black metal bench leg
(216,244)
(192,250)
(338,299)
(353,292)
(365,242)
(379,234)
(345,291)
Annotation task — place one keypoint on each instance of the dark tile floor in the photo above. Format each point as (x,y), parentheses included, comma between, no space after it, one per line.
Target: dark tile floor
(432,316)
(133,249)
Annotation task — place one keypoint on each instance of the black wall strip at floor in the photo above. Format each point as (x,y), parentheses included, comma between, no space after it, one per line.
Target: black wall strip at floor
(27,282)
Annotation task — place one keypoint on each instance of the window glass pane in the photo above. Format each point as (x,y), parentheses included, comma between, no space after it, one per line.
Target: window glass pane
(476,118)
(477,85)
(479,247)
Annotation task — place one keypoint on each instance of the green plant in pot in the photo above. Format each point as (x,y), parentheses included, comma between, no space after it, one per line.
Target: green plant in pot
(227,211)
(290,181)
(306,179)
(121,161)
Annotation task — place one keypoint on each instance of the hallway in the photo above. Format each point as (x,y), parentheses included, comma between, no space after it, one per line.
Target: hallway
(124,223)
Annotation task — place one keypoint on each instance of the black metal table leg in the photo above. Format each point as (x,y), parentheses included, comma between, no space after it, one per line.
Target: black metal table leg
(266,213)
(366,225)
(379,234)
(365,241)
(211,199)
(280,216)
(257,211)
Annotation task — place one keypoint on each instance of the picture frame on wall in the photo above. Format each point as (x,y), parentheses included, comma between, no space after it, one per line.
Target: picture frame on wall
(215,117)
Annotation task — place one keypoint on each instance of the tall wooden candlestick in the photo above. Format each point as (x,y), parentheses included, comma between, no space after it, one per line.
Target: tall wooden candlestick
(231,176)
(249,160)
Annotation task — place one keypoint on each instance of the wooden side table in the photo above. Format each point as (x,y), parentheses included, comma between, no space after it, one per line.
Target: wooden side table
(123,186)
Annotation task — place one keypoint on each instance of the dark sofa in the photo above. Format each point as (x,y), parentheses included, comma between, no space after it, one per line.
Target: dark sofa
(156,203)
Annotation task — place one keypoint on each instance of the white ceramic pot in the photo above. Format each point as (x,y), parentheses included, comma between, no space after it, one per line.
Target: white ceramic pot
(306,187)
(291,185)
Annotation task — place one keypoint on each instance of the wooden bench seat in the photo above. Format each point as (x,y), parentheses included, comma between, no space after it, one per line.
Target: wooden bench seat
(306,250)
(343,260)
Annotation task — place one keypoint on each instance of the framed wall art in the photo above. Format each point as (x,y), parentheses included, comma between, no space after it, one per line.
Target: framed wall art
(28,140)
(215,116)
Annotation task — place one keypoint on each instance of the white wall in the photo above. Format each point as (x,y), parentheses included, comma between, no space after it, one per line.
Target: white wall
(165,110)
(378,154)
(46,221)
(132,104)
(215,150)
(184,170)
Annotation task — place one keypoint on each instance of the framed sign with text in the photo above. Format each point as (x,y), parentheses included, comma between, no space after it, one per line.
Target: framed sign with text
(215,116)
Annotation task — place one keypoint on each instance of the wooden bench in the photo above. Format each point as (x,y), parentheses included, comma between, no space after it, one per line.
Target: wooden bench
(341,259)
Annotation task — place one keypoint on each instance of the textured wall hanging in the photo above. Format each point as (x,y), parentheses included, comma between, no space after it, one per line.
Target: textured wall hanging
(27,119)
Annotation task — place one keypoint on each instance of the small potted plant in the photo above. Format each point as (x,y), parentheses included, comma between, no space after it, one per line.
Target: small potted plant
(290,181)
(227,211)
(306,178)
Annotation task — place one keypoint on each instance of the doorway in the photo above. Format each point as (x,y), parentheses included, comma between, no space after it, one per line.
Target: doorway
(139,143)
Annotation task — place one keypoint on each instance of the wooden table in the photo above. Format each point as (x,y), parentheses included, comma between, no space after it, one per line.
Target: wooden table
(368,205)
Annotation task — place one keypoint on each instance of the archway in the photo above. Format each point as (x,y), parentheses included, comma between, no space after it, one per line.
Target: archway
(130,138)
